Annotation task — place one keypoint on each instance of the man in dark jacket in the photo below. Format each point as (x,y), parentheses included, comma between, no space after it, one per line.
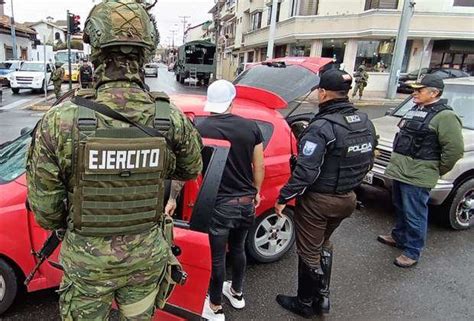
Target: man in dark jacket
(85,75)
(429,144)
(335,152)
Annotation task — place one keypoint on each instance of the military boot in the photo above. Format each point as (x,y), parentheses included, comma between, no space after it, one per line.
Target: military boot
(324,303)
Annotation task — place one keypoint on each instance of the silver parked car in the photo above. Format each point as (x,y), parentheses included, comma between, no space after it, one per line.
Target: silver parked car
(151,69)
(454,191)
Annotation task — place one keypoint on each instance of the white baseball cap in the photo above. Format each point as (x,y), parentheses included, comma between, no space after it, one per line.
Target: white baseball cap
(220,95)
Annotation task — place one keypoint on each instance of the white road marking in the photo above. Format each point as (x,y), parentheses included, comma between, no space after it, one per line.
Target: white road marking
(15,104)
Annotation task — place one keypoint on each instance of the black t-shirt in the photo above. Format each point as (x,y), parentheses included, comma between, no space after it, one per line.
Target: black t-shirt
(86,74)
(244,135)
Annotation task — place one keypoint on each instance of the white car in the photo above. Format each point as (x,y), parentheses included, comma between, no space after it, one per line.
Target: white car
(455,190)
(151,69)
(31,76)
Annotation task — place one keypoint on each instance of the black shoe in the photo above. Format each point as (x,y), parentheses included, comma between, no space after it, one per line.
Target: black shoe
(324,305)
(293,304)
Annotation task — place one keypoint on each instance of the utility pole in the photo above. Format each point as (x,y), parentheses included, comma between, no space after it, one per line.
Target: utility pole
(217,26)
(46,82)
(271,32)
(69,31)
(13,32)
(184,19)
(397,60)
(173,32)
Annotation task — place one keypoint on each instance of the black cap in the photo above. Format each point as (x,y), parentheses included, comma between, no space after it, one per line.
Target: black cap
(429,80)
(335,80)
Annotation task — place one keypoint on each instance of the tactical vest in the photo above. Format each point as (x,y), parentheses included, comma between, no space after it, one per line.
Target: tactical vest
(350,158)
(118,176)
(415,138)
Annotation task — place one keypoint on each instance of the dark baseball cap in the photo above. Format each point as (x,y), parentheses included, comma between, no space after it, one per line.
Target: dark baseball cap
(429,80)
(335,80)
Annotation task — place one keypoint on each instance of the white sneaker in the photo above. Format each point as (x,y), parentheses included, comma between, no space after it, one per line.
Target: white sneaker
(237,301)
(210,314)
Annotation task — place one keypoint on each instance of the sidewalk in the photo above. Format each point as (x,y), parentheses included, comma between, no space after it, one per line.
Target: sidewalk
(377,98)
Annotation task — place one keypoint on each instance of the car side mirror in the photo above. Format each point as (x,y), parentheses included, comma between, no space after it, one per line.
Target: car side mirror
(389,111)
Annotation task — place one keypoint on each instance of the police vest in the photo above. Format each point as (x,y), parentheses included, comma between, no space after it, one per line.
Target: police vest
(415,138)
(351,156)
(118,176)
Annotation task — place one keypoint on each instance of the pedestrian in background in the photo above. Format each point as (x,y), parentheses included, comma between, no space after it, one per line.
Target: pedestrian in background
(335,152)
(237,197)
(85,75)
(428,145)
(57,78)
(361,78)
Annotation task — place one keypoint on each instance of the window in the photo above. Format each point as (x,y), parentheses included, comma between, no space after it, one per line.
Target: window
(381,4)
(57,36)
(256,21)
(463,3)
(375,55)
(13,158)
(334,48)
(270,13)
(300,49)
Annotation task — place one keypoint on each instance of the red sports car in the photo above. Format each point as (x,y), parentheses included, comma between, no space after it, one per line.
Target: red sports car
(263,91)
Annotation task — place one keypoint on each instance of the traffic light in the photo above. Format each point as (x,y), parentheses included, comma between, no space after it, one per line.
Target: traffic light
(74,23)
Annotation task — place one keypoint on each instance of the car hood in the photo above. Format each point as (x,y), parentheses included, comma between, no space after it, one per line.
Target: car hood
(387,128)
(5,71)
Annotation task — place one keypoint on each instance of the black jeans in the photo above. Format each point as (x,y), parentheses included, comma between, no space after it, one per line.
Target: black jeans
(229,226)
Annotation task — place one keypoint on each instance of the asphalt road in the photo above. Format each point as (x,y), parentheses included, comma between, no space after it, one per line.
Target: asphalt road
(365,285)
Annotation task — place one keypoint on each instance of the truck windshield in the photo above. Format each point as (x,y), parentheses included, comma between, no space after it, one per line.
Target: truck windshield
(199,54)
(13,158)
(32,67)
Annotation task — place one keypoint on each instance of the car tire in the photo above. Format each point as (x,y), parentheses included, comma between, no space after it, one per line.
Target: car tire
(271,237)
(8,286)
(177,77)
(181,79)
(461,209)
(16,91)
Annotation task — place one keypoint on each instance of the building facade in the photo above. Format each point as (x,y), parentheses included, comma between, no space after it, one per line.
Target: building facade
(199,32)
(25,40)
(50,32)
(352,32)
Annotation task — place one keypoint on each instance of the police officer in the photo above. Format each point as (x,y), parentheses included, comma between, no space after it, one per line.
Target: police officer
(102,179)
(361,79)
(429,144)
(57,78)
(335,152)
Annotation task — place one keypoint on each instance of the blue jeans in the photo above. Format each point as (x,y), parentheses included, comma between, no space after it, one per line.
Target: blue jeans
(411,207)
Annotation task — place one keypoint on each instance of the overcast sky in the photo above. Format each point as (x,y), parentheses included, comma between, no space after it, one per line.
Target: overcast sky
(167,12)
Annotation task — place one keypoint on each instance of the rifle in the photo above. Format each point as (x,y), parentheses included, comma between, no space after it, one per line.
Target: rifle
(48,248)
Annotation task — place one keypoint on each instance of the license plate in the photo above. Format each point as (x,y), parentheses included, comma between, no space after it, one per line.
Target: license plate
(369,178)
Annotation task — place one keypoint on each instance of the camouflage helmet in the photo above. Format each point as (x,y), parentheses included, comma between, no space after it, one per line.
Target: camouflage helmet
(121,23)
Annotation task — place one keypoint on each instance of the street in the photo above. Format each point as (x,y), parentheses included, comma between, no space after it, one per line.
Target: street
(365,284)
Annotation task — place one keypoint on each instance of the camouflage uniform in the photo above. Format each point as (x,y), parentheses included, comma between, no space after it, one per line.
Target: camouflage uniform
(57,79)
(98,269)
(361,77)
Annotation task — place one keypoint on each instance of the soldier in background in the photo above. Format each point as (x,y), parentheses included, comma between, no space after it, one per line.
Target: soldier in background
(102,180)
(57,78)
(361,78)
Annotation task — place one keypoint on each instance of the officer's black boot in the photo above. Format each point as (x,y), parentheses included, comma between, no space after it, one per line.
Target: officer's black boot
(302,304)
(325,280)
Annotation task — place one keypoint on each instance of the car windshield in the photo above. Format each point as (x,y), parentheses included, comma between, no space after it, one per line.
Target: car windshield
(289,82)
(13,158)
(5,65)
(459,97)
(28,66)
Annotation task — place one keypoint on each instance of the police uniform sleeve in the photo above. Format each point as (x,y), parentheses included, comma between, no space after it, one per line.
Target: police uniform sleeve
(311,150)
(187,147)
(46,190)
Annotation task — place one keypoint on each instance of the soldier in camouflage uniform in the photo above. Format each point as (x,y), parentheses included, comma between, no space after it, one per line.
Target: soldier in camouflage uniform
(113,248)
(361,77)
(57,79)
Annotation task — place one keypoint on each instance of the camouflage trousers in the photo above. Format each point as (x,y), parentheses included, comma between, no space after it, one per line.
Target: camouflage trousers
(57,88)
(99,270)
(359,87)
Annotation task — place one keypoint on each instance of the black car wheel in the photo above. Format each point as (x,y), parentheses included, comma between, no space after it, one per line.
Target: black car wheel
(271,237)
(16,91)
(8,286)
(461,209)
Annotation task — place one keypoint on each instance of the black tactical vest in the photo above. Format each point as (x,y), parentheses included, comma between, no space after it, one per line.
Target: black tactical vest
(415,138)
(351,156)
(119,176)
